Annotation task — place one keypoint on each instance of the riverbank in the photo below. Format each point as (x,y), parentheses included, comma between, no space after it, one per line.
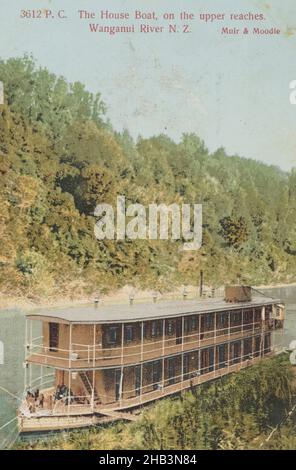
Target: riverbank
(119,296)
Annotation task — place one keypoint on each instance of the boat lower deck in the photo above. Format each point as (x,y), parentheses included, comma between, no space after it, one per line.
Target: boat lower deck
(64,415)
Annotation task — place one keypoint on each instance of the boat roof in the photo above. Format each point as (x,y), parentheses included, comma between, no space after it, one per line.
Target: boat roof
(125,313)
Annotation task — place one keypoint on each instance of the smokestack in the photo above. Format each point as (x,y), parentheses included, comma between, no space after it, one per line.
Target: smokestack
(201,284)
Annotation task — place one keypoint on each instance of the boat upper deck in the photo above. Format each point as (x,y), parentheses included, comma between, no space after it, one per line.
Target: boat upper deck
(120,313)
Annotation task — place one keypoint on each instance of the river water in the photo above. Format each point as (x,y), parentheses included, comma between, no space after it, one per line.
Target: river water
(12,335)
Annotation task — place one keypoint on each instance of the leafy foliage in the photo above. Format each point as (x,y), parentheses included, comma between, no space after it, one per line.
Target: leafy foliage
(59,157)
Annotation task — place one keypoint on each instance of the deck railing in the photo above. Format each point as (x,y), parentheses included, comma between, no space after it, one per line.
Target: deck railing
(84,355)
(82,404)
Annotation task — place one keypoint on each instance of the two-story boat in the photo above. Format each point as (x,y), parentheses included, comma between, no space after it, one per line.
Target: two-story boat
(97,363)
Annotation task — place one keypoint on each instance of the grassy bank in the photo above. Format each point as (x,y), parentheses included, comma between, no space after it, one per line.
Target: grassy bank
(236,412)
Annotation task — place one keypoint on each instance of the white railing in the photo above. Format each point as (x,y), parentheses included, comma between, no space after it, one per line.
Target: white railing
(79,404)
(87,353)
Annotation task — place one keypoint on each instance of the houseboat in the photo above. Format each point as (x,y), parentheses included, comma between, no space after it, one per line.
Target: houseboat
(97,363)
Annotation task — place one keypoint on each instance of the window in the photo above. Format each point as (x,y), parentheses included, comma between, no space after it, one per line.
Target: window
(194,322)
(138,380)
(207,360)
(236,318)
(248,319)
(257,351)
(268,312)
(146,329)
(222,323)
(190,323)
(53,336)
(156,374)
(257,314)
(267,343)
(235,352)
(118,383)
(247,343)
(186,362)
(170,328)
(211,359)
(128,333)
(236,321)
(171,370)
(222,350)
(155,328)
(209,324)
(112,334)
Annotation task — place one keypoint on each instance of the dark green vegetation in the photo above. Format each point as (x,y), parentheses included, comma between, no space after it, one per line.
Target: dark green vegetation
(60,157)
(237,412)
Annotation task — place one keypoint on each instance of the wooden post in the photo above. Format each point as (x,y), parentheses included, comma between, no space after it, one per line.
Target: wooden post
(253,321)
(163,353)
(69,389)
(30,352)
(121,369)
(242,351)
(163,337)
(262,330)
(121,385)
(26,354)
(142,341)
(182,370)
(70,346)
(182,355)
(141,386)
(70,367)
(142,358)
(122,342)
(94,365)
(163,377)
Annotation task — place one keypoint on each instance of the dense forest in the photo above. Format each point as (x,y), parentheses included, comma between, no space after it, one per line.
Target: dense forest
(249,410)
(60,156)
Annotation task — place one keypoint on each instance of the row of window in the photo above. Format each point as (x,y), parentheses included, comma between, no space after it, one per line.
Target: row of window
(154,329)
(201,362)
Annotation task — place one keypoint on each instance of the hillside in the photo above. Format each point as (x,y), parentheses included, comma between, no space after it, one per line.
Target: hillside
(59,157)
